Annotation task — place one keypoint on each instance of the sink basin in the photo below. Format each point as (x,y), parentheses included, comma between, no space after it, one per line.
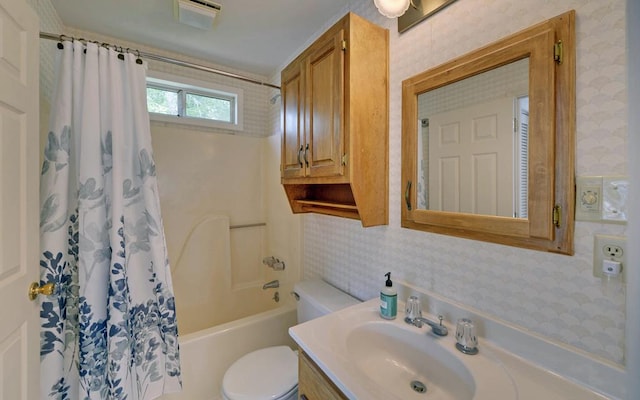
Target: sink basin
(414,365)
(371,358)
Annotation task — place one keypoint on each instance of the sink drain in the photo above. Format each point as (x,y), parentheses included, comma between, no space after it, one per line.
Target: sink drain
(418,387)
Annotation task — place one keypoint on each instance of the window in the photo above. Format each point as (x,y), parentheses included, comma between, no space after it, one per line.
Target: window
(186,101)
(162,100)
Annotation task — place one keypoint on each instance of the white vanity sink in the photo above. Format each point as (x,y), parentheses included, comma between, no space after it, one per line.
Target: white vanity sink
(371,358)
(405,358)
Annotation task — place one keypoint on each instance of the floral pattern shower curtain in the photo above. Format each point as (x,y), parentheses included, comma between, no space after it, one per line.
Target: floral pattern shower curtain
(109,330)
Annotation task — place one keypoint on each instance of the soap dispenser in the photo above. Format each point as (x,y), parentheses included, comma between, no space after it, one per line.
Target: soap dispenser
(388,299)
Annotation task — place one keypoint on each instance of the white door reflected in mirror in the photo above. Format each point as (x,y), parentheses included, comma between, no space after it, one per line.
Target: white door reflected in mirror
(473,144)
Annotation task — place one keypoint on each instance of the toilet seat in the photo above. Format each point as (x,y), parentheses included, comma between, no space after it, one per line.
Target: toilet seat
(269,373)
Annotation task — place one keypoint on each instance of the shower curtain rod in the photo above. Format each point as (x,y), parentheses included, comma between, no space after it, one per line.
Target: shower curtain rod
(151,56)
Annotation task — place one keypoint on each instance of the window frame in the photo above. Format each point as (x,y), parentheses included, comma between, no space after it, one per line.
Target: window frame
(183,86)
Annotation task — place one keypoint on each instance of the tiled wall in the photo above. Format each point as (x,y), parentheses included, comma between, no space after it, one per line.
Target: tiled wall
(50,22)
(552,295)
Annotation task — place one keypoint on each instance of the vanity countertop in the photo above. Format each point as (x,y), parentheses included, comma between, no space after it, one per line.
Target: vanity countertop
(325,341)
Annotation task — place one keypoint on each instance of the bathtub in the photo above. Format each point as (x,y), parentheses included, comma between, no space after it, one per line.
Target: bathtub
(205,355)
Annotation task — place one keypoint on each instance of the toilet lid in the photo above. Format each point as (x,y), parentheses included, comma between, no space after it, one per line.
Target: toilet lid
(267,373)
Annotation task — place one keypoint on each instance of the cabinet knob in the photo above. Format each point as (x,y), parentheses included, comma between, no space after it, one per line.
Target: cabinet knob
(306,160)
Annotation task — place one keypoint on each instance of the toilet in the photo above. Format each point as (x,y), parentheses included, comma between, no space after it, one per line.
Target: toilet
(271,373)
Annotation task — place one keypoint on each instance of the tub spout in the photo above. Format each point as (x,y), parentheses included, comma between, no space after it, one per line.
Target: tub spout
(271,285)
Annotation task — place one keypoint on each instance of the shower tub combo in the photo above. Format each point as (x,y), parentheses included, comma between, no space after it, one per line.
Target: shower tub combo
(222,309)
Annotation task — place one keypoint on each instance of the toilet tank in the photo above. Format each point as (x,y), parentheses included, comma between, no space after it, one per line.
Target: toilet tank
(317,298)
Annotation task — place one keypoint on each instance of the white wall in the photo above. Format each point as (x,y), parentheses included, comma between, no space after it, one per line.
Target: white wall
(552,295)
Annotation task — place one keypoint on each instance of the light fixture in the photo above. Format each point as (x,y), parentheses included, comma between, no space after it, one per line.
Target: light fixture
(197,13)
(392,8)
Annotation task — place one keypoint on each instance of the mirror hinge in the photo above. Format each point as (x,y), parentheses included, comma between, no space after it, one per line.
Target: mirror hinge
(556,215)
(557,52)
(344,45)
(345,158)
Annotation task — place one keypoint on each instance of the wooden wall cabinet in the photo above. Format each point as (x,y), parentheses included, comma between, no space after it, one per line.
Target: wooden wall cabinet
(335,136)
(313,384)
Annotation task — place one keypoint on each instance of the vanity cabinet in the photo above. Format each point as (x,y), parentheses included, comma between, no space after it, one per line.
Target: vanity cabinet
(313,384)
(335,124)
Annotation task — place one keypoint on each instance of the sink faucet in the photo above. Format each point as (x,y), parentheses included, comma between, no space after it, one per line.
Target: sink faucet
(413,316)
(271,285)
(436,328)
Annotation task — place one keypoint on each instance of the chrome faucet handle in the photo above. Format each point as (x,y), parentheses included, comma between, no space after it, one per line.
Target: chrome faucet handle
(273,262)
(466,336)
(412,308)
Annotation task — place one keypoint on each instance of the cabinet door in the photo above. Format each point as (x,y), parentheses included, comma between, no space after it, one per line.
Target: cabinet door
(313,383)
(293,139)
(325,107)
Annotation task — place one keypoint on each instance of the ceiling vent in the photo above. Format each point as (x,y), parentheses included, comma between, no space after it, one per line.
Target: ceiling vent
(198,13)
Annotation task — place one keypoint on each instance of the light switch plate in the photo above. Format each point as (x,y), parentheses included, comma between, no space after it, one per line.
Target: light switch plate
(615,190)
(588,198)
(602,198)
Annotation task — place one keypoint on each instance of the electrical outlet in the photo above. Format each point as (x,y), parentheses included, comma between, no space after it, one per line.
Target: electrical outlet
(612,251)
(609,247)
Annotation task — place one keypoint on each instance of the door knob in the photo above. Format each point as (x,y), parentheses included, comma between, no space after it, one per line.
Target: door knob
(35,289)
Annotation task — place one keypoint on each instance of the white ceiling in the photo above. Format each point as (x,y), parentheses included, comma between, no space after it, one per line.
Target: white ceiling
(254,36)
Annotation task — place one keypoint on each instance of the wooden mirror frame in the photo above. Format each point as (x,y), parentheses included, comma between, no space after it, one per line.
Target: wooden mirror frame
(550,47)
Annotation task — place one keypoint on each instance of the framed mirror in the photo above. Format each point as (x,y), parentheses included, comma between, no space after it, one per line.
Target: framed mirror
(488,142)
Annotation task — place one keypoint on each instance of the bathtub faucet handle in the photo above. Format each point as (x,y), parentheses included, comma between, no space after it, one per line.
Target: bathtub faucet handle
(273,262)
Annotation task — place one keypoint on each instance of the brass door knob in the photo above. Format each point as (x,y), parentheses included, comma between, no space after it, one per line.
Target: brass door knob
(35,289)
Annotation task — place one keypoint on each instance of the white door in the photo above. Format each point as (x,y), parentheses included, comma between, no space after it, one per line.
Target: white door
(471,159)
(19,233)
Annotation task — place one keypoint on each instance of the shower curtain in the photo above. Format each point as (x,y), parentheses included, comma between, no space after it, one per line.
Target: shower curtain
(109,330)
